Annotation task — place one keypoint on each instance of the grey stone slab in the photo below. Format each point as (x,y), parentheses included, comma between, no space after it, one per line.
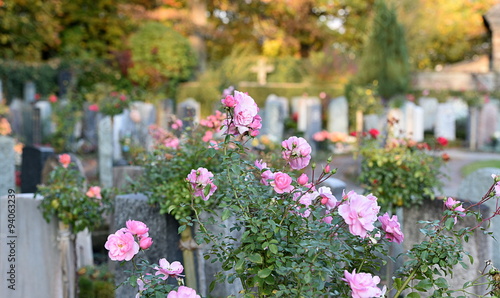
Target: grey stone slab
(105,153)
(7,165)
(338,115)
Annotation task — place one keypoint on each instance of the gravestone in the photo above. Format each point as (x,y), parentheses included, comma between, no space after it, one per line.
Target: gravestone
(16,116)
(189,111)
(55,265)
(473,188)
(310,119)
(28,123)
(33,161)
(52,162)
(412,121)
(445,122)
(162,229)
(477,246)
(261,69)
(118,124)
(105,153)
(487,126)
(165,112)
(29,91)
(276,111)
(89,125)
(338,112)
(429,106)
(45,118)
(371,121)
(64,78)
(7,165)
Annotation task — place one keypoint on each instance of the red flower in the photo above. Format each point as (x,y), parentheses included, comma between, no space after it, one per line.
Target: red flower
(37,96)
(53,98)
(374,133)
(442,141)
(94,108)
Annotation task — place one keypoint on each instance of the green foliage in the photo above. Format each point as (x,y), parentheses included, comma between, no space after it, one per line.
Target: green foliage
(160,55)
(109,101)
(385,57)
(400,173)
(14,74)
(166,168)
(95,282)
(64,198)
(65,115)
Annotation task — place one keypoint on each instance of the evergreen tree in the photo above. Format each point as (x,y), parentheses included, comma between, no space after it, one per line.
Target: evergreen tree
(384,61)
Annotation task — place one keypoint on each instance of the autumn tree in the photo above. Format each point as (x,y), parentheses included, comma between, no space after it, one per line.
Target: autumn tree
(385,58)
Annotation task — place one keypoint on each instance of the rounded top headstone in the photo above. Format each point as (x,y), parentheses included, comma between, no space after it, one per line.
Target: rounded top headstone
(476,184)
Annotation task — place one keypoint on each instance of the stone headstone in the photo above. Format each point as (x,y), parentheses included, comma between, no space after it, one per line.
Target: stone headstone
(429,105)
(460,107)
(302,109)
(445,122)
(7,164)
(45,117)
(89,125)
(64,80)
(33,161)
(477,246)
(311,119)
(162,229)
(418,124)
(118,128)
(105,146)
(56,265)
(338,112)
(28,123)
(371,121)
(52,162)
(488,119)
(165,112)
(29,91)
(189,111)
(262,69)
(276,111)
(473,188)
(16,116)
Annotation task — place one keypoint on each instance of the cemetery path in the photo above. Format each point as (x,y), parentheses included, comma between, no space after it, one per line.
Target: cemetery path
(348,169)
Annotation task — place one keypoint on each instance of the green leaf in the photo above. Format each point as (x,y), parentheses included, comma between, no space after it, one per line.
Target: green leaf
(181,228)
(225,214)
(264,273)
(413,295)
(441,282)
(450,222)
(424,285)
(273,248)
(255,258)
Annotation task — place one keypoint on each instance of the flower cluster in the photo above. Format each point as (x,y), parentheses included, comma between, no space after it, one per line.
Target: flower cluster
(107,101)
(64,198)
(5,128)
(126,243)
(242,115)
(297,203)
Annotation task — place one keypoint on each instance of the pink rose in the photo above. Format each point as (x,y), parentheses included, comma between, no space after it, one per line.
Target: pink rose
(363,285)
(53,98)
(455,206)
(327,198)
(183,292)
(145,242)
(177,124)
(172,143)
(303,179)
(175,269)
(282,182)
(497,188)
(121,246)
(208,136)
(359,212)
(297,152)
(94,192)
(306,200)
(392,228)
(137,228)
(266,176)
(229,101)
(244,111)
(65,160)
(201,179)
(259,164)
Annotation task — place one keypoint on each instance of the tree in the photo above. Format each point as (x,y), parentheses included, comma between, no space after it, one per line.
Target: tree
(160,55)
(385,58)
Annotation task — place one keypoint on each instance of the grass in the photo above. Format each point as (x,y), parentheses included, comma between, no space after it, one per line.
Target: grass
(472,167)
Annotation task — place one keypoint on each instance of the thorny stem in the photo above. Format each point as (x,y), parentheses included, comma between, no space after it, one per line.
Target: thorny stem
(407,281)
